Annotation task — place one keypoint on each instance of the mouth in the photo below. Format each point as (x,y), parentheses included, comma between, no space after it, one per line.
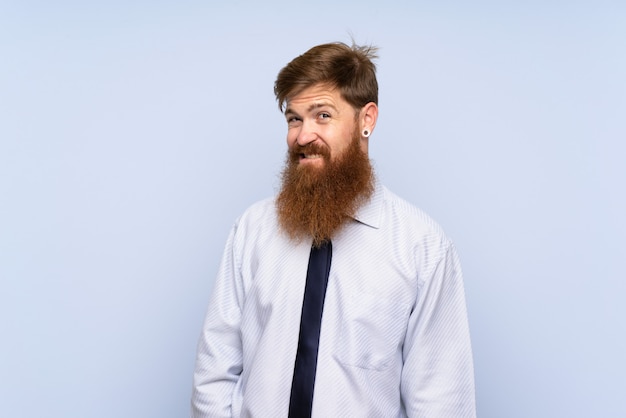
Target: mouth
(310,156)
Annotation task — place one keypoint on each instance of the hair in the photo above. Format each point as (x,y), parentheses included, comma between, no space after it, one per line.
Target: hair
(350,69)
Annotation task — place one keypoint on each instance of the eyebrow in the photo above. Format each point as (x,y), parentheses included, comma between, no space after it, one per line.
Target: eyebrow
(312,107)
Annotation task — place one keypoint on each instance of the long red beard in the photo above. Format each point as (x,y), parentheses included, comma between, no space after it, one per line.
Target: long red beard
(317,202)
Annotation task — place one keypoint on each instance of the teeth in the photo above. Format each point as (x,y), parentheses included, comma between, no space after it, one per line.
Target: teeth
(311,156)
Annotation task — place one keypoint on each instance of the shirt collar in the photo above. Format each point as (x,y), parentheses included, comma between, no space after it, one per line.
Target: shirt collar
(371,211)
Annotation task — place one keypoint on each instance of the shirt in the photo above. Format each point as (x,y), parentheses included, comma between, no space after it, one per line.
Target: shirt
(394,338)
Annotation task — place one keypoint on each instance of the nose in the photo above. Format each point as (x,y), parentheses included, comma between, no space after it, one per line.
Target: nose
(307,134)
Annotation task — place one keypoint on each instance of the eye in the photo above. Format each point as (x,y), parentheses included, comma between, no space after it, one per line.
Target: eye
(292,120)
(323,115)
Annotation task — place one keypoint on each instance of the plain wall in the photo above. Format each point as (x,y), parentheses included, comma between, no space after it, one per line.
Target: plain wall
(132,134)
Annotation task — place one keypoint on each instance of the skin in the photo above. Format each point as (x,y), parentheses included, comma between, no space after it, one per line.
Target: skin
(319,115)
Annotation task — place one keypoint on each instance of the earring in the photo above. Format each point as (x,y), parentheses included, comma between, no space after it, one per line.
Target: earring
(366,133)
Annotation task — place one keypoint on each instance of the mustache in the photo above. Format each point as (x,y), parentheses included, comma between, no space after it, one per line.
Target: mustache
(311,148)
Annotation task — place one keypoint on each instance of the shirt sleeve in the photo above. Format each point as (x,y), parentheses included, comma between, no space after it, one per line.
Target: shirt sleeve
(219,356)
(438,372)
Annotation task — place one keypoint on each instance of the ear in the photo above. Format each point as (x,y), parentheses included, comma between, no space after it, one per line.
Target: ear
(367,118)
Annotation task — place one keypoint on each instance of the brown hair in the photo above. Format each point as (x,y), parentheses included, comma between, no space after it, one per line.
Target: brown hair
(350,69)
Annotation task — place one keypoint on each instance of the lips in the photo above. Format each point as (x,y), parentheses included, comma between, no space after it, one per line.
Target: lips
(311,156)
(310,152)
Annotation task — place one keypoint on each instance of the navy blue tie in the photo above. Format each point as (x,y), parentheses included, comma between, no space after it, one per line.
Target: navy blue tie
(301,401)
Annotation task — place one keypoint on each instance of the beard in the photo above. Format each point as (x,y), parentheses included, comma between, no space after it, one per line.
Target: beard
(316,202)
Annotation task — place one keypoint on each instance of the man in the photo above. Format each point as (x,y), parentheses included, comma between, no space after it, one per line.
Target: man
(336,298)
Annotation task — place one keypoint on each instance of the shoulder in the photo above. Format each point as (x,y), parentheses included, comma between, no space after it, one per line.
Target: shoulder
(400,213)
(258,212)
(257,221)
(412,229)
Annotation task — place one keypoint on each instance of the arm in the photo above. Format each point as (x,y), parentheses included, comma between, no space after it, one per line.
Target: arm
(438,373)
(219,357)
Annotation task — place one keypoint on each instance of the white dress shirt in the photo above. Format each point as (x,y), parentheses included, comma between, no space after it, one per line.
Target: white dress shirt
(394,338)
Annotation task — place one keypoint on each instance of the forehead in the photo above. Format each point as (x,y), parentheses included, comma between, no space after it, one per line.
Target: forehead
(319,94)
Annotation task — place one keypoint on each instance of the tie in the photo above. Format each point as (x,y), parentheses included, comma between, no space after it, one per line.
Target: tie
(303,381)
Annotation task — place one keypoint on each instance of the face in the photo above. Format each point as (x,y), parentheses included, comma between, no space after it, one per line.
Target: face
(327,175)
(321,125)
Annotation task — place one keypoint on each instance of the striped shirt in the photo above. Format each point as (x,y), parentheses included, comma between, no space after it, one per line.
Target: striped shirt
(394,338)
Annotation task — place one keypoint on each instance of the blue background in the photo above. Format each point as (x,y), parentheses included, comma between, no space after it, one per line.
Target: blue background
(132,134)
